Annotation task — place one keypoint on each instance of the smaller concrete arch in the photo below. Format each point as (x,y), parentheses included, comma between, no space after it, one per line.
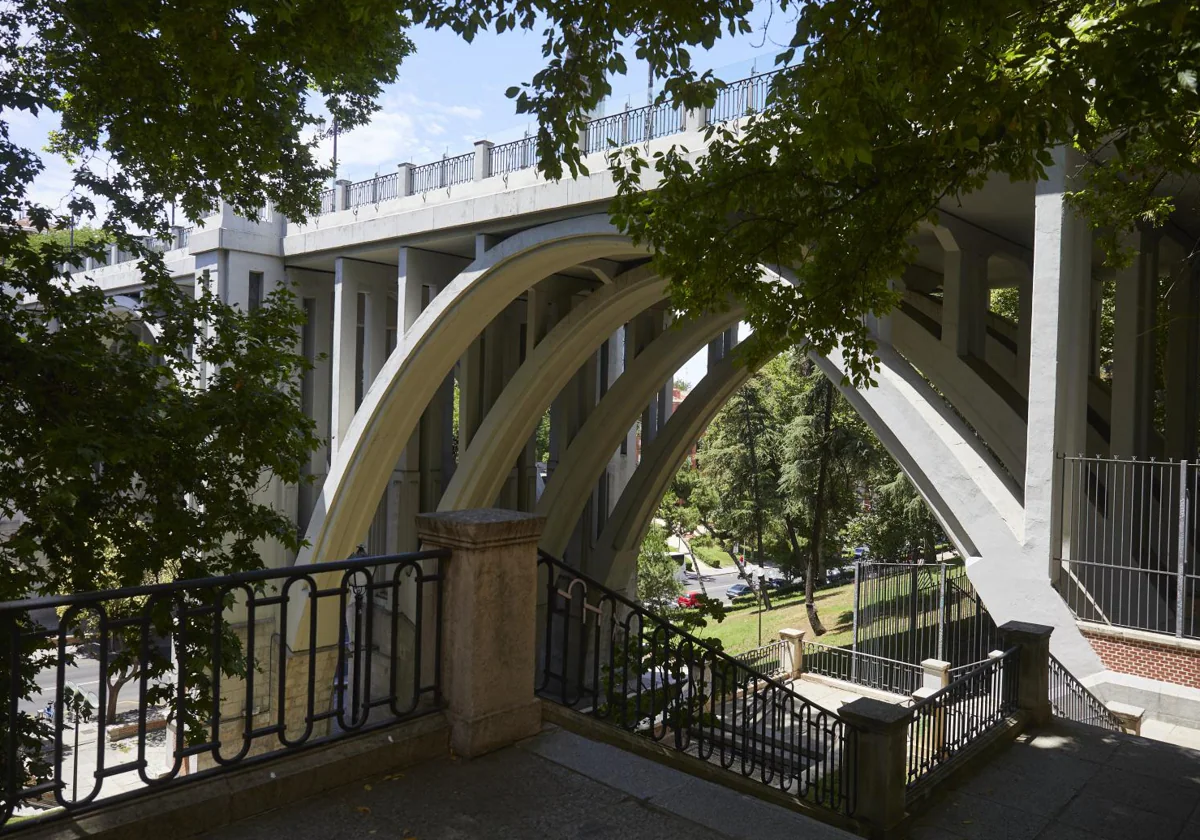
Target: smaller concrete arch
(482,469)
(571,484)
(616,552)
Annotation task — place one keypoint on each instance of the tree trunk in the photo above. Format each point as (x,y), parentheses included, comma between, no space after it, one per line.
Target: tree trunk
(818,513)
(115,683)
(695,564)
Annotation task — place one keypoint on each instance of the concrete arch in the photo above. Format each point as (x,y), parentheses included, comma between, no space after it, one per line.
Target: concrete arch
(392,407)
(571,484)
(482,469)
(616,552)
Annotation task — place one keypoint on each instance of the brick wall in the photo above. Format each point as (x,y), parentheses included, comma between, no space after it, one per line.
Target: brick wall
(1155,660)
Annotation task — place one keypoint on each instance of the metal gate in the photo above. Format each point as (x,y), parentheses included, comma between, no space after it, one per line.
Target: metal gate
(909,612)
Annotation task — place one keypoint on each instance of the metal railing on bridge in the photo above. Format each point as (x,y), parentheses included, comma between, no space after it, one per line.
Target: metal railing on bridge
(610,658)
(214,685)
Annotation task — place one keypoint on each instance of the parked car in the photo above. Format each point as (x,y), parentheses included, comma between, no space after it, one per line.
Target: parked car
(692,599)
(778,582)
(738,590)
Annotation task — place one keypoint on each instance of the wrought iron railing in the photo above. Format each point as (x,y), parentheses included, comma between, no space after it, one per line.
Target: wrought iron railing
(742,98)
(770,659)
(514,156)
(860,668)
(443,173)
(210,681)
(374,190)
(945,725)
(1072,700)
(633,125)
(329,201)
(1130,537)
(608,657)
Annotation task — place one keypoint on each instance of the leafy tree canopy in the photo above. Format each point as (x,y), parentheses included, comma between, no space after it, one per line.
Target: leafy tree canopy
(883,111)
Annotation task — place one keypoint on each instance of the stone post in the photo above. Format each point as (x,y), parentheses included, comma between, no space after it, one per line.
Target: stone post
(341,194)
(583,133)
(1130,717)
(483,159)
(935,675)
(878,764)
(1033,672)
(793,652)
(406,179)
(489,612)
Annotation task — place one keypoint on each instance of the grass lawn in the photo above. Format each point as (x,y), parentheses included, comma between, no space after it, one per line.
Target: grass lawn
(739,631)
(711,555)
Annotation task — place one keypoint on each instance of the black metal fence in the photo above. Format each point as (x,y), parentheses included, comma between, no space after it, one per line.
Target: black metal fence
(909,612)
(610,658)
(1072,700)
(1128,545)
(948,722)
(768,659)
(205,678)
(861,668)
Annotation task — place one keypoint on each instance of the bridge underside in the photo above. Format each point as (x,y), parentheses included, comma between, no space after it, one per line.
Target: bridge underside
(446,357)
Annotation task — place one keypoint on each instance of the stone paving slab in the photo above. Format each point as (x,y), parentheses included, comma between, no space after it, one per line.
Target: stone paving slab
(555,785)
(1071,782)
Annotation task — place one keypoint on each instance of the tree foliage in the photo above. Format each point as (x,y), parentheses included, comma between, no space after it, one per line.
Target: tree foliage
(656,570)
(883,112)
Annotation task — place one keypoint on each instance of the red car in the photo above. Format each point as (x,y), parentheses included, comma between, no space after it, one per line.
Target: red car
(692,599)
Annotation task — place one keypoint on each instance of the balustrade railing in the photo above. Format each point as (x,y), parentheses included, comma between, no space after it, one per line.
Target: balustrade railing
(633,125)
(770,659)
(610,658)
(329,201)
(197,676)
(865,669)
(443,173)
(947,723)
(1072,700)
(374,190)
(512,157)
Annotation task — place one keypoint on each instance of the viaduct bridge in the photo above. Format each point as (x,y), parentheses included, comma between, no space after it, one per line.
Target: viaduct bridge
(474,279)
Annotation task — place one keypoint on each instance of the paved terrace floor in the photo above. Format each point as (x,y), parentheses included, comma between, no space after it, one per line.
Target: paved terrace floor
(1065,783)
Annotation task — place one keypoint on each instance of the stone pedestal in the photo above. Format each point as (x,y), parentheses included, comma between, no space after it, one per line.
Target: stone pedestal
(488,624)
(793,652)
(1033,674)
(878,766)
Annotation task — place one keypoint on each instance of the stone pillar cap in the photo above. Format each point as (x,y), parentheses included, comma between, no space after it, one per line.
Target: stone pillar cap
(790,634)
(935,665)
(875,715)
(1018,629)
(484,143)
(479,528)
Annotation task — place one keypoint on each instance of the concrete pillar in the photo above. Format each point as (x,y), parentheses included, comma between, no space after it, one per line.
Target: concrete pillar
(1182,364)
(483,159)
(344,356)
(1133,351)
(1033,673)
(489,623)
(965,301)
(406,179)
(1129,717)
(935,675)
(1057,354)
(793,652)
(878,765)
(1024,324)
(375,351)
(341,194)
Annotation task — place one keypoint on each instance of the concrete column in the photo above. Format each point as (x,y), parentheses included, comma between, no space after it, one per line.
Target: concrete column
(406,179)
(793,652)
(344,350)
(1057,355)
(1133,351)
(483,159)
(878,765)
(965,301)
(1024,324)
(341,194)
(1033,673)
(1182,364)
(489,623)
(322,377)
(935,675)
(375,342)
